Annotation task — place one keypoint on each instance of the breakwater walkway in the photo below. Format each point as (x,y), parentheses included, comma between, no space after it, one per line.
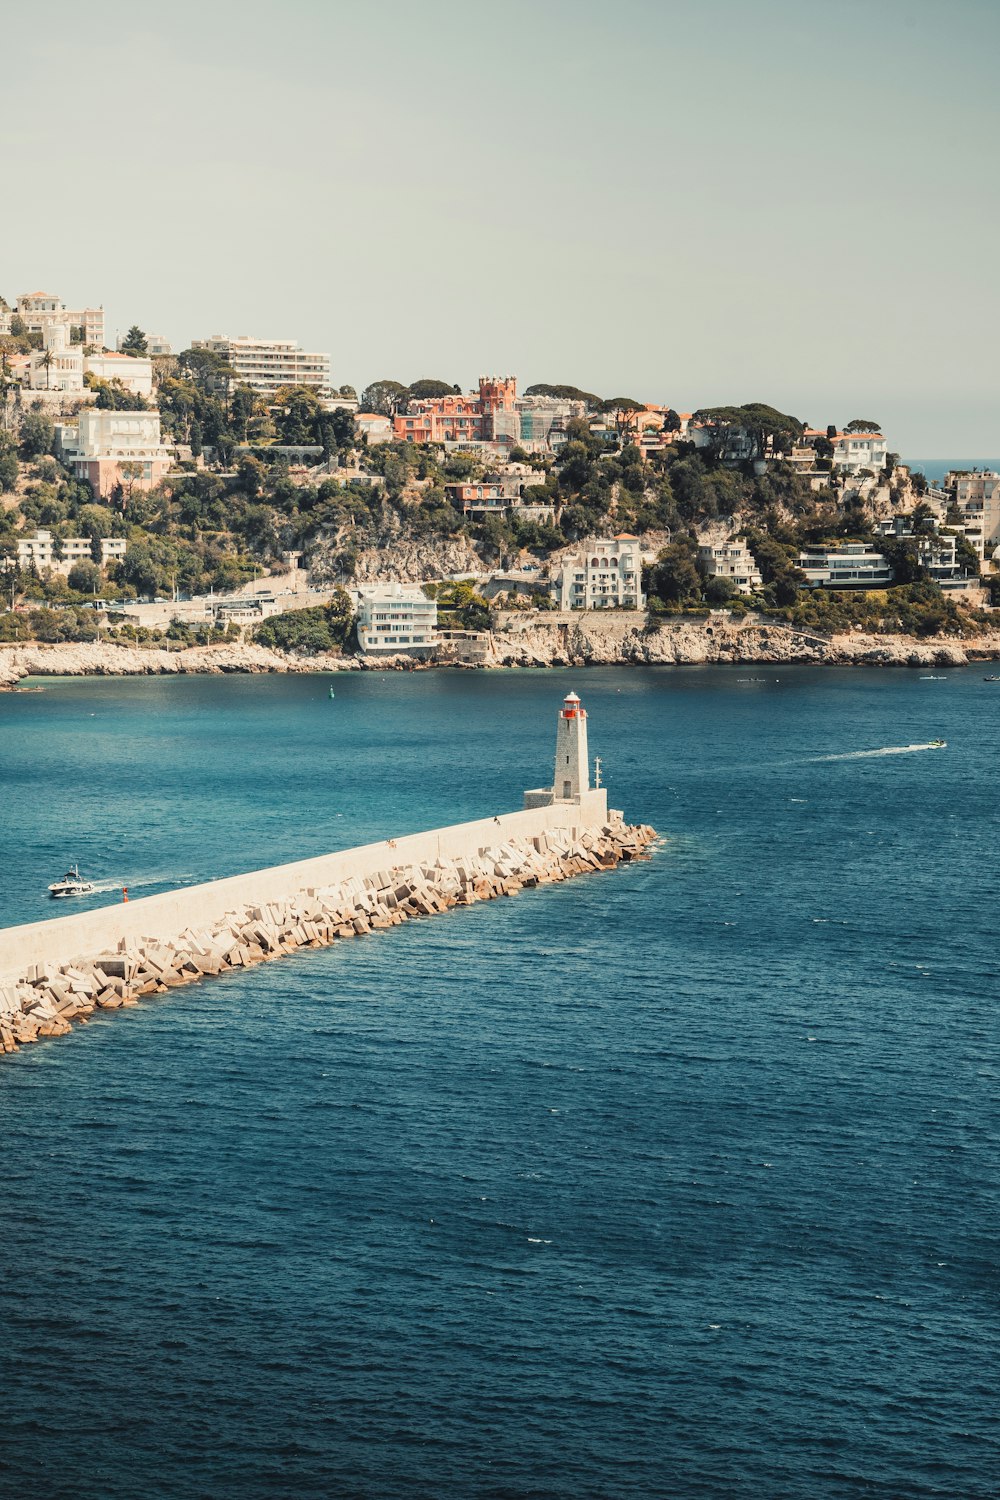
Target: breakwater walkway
(56,972)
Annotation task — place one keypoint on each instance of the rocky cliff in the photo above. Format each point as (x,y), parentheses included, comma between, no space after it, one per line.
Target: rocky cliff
(99,660)
(598,639)
(525,639)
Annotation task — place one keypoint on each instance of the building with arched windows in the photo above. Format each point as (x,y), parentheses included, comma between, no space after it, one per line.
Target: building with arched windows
(602,575)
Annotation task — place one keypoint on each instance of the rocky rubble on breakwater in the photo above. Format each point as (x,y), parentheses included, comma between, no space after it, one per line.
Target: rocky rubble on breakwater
(45,1001)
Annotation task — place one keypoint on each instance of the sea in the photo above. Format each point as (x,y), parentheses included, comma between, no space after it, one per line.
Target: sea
(935,469)
(675,1181)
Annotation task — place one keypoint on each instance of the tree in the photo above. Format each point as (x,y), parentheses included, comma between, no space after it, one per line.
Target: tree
(382,397)
(9,470)
(242,407)
(139,570)
(297,411)
(424,390)
(753,431)
(18,326)
(135,343)
(210,371)
(129,472)
(565,393)
(37,435)
(336,430)
(250,474)
(85,577)
(862,424)
(674,579)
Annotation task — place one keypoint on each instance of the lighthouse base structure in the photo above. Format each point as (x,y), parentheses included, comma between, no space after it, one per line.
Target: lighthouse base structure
(593,804)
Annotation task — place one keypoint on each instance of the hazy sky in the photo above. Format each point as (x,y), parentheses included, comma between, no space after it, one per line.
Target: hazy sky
(791,200)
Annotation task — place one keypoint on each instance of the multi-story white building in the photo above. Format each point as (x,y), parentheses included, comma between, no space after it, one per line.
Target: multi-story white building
(852,566)
(602,575)
(396,618)
(58,365)
(135,374)
(269,364)
(732,560)
(976,493)
(854,451)
(937,553)
(40,309)
(45,551)
(372,427)
(109,448)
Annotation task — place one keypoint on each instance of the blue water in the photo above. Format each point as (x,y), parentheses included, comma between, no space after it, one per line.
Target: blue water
(678,1181)
(935,469)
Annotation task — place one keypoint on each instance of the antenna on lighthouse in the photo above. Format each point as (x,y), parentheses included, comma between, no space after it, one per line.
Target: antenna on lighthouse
(597,770)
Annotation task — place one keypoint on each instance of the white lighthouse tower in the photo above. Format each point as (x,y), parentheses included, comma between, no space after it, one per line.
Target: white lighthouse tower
(572,772)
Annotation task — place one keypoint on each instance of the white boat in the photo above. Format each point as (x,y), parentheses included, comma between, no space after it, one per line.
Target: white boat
(72,884)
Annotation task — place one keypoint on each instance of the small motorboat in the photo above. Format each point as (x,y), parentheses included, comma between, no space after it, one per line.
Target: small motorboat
(938,745)
(72,884)
(332,693)
(992,678)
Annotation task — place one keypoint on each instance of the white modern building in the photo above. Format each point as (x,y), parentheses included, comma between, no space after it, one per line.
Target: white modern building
(135,374)
(732,560)
(396,619)
(41,309)
(937,552)
(111,448)
(602,575)
(46,551)
(269,364)
(852,565)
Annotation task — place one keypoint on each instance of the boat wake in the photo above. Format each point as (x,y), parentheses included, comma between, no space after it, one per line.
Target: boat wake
(102,887)
(885,750)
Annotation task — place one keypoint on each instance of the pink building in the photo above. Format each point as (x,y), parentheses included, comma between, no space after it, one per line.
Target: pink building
(486,417)
(108,448)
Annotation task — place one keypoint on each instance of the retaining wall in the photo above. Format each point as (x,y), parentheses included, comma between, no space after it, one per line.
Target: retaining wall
(62,939)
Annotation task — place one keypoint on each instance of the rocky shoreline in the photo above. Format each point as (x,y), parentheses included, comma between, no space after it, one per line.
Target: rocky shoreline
(45,1001)
(528,640)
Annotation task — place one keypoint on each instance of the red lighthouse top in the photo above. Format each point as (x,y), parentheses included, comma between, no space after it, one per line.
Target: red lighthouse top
(572,707)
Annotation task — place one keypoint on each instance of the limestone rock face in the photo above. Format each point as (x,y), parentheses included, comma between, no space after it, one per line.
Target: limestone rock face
(97,659)
(555,639)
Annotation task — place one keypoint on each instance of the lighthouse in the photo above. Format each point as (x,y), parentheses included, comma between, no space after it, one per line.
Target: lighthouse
(572,771)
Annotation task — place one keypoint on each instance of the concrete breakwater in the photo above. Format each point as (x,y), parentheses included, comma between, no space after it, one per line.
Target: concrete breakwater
(52,982)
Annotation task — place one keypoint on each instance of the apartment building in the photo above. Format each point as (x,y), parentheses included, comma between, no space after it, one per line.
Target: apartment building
(396,619)
(604,574)
(937,553)
(732,560)
(41,309)
(976,493)
(46,551)
(135,373)
(110,448)
(852,565)
(268,364)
